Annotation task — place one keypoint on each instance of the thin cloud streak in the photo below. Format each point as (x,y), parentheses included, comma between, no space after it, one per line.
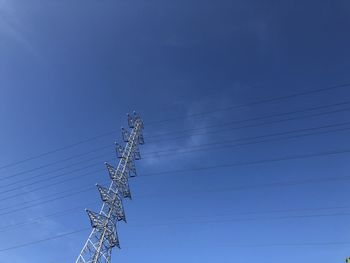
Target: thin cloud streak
(12,28)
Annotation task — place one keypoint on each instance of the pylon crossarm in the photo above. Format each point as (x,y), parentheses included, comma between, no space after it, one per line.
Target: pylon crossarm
(104,237)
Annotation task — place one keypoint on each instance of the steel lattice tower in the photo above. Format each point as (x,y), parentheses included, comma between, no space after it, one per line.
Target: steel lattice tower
(103,237)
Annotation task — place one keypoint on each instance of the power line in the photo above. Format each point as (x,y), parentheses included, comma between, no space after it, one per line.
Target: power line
(201,128)
(219,147)
(44,240)
(279,98)
(261,124)
(54,163)
(292,157)
(16,195)
(74,209)
(51,171)
(194,222)
(71,210)
(201,168)
(196,149)
(34,220)
(55,150)
(83,161)
(247,126)
(222,221)
(70,192)
(170,119)
(50,178)
(281,114)
(227,143)
(44,202)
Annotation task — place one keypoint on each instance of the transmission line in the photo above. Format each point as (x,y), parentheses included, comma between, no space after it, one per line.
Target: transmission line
(17,209)
(4,228)
(50,171)
(279,98)
(201,128)
(44,240)
(227,143)
(262,118)
(273,99)
(259,124)
(196,222)
(236,164)
(194,149)
(240,127)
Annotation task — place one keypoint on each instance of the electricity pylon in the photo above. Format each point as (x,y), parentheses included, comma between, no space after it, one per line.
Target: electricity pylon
(104,237)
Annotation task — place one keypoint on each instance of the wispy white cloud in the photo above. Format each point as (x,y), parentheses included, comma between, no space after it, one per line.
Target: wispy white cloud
(34,230)
(196,136)
(12,26)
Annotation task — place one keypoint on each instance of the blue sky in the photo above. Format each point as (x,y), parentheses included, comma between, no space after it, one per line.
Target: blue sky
(71,70)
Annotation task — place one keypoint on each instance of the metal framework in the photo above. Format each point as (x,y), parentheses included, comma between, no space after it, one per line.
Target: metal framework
(104,237)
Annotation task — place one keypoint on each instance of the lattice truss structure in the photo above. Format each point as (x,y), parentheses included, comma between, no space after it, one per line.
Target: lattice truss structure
(104,237)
